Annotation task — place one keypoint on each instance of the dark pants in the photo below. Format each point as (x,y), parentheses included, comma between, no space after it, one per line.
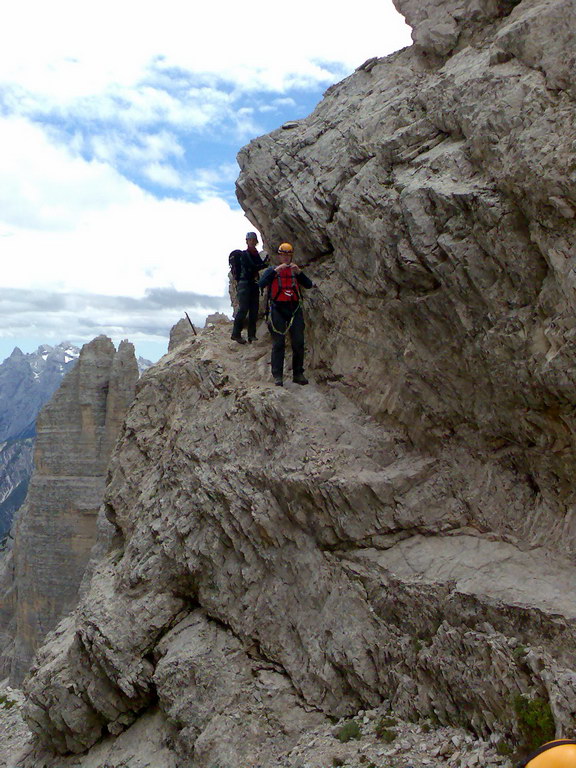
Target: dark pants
(280,314)
(248,300)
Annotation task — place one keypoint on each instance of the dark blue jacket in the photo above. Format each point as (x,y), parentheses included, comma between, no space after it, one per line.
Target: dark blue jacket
(250,266)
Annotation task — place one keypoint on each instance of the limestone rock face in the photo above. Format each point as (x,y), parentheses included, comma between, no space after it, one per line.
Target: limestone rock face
(56,529)
(281,557)
(402,531)
(27,382)
(436,205)
(180,333)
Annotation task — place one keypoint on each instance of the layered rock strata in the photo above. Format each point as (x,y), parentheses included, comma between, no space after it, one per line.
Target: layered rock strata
(27,382)
(56,529)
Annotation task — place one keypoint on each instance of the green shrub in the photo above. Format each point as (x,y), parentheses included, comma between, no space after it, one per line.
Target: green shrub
(349,731)
(6,703)
(386,721)
(519,652)
(337,761)
(535,721)
(382,729)
(504,748)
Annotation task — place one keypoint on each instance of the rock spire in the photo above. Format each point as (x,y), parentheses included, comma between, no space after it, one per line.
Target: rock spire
(56,529)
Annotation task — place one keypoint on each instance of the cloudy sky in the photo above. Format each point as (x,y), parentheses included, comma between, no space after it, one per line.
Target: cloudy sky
(120,122)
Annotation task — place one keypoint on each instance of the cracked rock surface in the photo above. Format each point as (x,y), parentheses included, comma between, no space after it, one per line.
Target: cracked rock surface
(434,200)
(330,568)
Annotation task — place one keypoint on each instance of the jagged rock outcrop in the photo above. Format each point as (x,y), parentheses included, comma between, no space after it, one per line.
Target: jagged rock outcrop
(333,562)
(27,382)
(56,529)
(403,529)
(180,333)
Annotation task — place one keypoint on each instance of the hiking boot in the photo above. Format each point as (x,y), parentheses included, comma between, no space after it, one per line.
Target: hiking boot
(300,379)
(279,382)
(239,339)
(251,339)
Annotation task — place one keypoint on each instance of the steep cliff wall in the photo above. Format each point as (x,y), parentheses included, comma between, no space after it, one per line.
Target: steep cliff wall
(403,529)
(16,462)
(27,382)
(436,198)
(56,529)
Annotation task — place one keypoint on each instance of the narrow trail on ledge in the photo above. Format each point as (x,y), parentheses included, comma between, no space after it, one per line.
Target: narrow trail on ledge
(331,436)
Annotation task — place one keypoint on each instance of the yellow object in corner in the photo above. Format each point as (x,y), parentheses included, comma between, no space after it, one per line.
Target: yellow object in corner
(555,754)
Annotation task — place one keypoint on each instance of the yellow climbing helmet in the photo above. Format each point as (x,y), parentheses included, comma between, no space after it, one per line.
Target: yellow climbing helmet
(285,248)
(554,754)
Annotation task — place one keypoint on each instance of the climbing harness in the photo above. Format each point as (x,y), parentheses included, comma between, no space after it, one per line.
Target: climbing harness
(286,288)
(292,316)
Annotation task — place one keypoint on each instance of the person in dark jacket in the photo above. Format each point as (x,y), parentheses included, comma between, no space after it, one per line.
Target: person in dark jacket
(286,316)
(247,290)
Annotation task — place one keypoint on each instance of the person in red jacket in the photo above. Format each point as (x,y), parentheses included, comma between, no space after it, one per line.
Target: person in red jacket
(286,316)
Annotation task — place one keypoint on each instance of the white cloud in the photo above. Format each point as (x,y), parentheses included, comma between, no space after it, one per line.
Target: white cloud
(128,248)
(53,315)
(164,175)
(135,148)
(95,229)
(46,187)
(61,50)
(203,183)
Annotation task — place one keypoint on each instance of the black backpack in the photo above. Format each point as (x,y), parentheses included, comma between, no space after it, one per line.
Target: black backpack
(235,264)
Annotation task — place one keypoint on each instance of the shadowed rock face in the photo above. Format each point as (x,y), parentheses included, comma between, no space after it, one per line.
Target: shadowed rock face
(403,529)
(56,529)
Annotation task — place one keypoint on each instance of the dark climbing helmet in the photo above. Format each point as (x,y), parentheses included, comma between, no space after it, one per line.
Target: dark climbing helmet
(554,754)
